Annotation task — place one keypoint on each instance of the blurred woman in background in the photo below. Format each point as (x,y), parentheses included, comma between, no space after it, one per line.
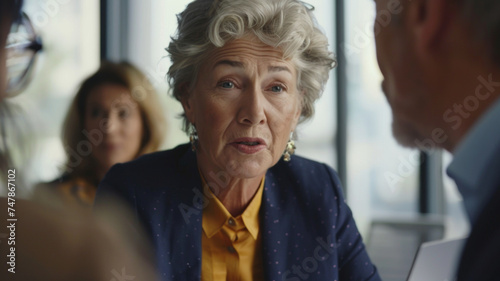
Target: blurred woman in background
(114,118)
(37,241)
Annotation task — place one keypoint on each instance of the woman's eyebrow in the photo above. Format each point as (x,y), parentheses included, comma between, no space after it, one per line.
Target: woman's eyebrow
(278,68)
(238,64)
(230,63)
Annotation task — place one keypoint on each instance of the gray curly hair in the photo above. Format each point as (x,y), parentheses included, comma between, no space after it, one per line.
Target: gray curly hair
(285,24)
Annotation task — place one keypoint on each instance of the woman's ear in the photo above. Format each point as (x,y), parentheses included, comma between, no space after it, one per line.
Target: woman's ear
(297,117)
(298,111)
(187,102)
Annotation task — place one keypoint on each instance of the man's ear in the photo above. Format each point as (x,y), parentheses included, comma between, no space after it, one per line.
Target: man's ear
(430,19)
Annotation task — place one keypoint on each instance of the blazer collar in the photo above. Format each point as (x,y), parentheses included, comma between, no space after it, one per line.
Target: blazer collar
(275,227)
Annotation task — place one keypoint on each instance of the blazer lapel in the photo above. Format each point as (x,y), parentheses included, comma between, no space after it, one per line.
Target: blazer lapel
(292,233)
(278,235)
(186,225)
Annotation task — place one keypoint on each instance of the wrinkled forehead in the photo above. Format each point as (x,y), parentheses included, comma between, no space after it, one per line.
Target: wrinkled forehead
(247,52)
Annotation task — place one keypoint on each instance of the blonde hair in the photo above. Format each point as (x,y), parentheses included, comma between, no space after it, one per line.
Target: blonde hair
(285,24)
(142,91)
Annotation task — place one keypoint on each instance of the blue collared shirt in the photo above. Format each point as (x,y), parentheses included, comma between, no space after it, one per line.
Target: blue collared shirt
(476,164)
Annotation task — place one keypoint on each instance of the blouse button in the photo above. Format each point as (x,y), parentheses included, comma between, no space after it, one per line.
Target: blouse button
(231,222)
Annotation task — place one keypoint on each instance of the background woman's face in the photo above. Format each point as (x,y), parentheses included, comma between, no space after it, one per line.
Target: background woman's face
(244,105)
(113,124)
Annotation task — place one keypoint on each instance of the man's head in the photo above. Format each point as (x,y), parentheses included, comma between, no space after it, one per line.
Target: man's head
(432,53)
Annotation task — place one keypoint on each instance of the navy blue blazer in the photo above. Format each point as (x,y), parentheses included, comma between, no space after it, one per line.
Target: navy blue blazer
(308,232)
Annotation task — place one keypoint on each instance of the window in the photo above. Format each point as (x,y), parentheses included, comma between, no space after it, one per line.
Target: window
(316,138)
(70,35)
(382,177)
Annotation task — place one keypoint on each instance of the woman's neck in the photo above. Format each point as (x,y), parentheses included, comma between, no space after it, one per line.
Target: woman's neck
(234,193)
(99,175)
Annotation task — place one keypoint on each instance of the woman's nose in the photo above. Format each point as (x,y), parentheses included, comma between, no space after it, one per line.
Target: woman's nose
(109,124)
(252,107)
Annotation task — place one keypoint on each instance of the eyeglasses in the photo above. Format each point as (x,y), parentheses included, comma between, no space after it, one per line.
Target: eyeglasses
(22,46)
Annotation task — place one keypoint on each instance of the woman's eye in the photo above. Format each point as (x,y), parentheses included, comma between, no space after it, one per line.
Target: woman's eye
(123,113)
(95,112)
(226,84)
(277,88)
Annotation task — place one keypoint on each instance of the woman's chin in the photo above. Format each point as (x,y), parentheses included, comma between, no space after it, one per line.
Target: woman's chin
(248,168)
(235,164)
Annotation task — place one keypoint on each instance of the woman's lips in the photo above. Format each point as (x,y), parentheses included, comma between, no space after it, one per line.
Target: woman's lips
(249,145)
(110,146)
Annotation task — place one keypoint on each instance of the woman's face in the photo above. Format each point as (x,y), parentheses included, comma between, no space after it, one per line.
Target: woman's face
(113,124)
(244,105)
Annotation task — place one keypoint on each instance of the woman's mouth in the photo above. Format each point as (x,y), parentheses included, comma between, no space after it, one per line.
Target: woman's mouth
(249,145)
(110,146)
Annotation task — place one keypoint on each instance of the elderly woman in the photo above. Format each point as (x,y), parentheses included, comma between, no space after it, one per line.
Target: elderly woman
(234,204)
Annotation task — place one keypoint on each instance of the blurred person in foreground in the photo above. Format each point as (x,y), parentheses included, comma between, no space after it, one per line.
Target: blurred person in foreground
(42,243)
(441,65)
(117,116)
(234,204)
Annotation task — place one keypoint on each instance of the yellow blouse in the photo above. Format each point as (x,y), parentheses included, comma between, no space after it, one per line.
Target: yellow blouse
(78,191)
(75,192)
(231,247)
